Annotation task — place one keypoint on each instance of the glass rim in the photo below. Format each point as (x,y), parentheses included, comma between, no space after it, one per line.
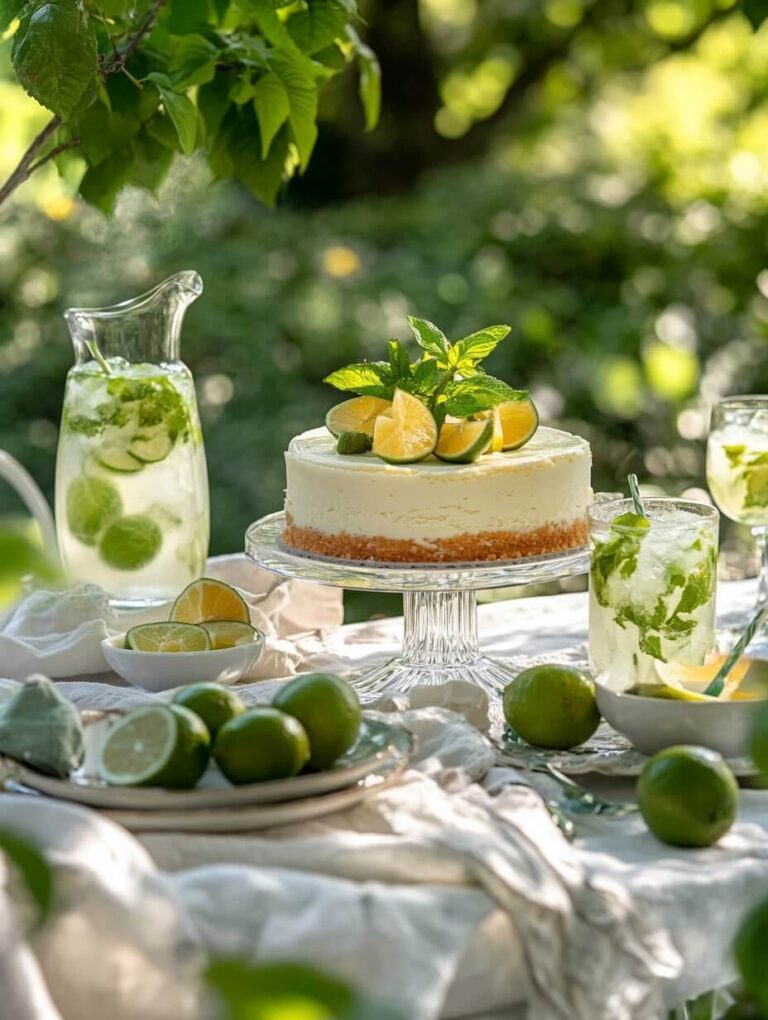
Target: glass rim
(599,513)
(743,401)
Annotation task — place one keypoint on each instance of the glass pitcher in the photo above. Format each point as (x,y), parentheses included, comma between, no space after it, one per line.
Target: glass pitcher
(132,509)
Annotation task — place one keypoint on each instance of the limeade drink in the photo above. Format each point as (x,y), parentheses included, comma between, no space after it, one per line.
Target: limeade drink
(131,482)
(737,471)
(651,589)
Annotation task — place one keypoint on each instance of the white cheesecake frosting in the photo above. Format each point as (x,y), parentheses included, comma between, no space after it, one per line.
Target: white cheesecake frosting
(544,485)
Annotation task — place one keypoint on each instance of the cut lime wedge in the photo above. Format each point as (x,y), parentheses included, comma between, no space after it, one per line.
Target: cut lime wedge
(151,445)
(168,637)
(155,745)
(115,456)
(463,441)
(356,415)
(228,633)
(406,434)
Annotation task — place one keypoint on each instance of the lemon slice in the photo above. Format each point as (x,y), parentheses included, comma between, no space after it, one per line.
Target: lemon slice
(167,637)
(462,441)
(410,434)
(515,423)
(208,599)
(356,415)
(228,633)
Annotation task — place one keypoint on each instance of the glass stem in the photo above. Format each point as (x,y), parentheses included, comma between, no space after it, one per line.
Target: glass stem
(761,537)
(440,628)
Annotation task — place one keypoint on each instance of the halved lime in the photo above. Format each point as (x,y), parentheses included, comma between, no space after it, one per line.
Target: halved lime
(92,504)
(228,633)
(407,433)
(517,420)
(356,415)
(168,637)
(130,542)
(151,445)
(155,745)
(209,599)
(115,456)
(461,441)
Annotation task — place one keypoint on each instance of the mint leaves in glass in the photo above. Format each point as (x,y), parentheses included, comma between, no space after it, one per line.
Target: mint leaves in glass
(737,468)
(652,588)
(131,484)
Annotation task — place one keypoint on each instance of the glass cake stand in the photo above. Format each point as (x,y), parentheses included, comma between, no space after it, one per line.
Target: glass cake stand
(439,605)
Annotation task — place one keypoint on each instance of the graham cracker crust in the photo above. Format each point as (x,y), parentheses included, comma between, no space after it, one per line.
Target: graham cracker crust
(468,548)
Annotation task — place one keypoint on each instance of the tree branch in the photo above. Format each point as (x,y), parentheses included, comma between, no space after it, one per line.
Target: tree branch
(28,164)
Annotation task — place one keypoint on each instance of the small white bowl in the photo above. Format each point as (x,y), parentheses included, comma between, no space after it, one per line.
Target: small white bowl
(162,671)
(651,724)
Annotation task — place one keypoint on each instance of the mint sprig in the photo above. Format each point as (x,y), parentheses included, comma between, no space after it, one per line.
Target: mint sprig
(447,377)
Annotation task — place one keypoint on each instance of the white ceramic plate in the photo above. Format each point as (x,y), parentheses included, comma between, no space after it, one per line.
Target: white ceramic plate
(162,671)
(379,746)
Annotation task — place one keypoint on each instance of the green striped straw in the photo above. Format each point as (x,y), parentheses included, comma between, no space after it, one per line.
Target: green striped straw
(634,491)
(715,686)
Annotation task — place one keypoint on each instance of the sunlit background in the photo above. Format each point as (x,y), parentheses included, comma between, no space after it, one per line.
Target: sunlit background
(594,174)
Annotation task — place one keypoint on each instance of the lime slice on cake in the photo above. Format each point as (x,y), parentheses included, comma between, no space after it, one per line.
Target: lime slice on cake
(356,415)
(407,433)
(155,745)
(228,633)
(461,441)
(168,637)
(515,423)
(208,599)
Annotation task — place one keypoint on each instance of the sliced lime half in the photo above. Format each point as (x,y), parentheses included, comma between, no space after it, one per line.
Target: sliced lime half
(168,637)
(228,633)
(155,745)
(151,445)
(462,441)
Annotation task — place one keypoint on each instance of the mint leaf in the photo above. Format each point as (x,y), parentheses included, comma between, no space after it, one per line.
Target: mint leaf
(193,62)
(480,393)
(651,645)
(618,554)
(427,376)
(399,360)
(734,453)
(179,109)
(477,346)
(369,378)
(757,487)
(270,100)
(429,337)
(54,55)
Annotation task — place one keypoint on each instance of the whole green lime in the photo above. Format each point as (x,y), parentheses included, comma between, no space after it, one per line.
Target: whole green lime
(687,796)
(552,706)
(214,703)
(261,744)
(758,744)
(749,948)
(329,710)
(129,543)
(92,504)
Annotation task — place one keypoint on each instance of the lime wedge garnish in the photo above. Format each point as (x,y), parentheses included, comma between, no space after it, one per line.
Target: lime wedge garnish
(168,637)
(463,441)
(155,745)
(209,599)
(130,542)
(92,504)
(356,415)
(151,445)
(517,420)
(228,633)
(407,433)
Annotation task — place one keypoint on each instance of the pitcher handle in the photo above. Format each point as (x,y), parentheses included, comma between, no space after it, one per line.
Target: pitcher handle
(22,481)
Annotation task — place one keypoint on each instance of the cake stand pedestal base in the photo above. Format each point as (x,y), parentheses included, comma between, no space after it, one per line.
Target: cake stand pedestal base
(439,645)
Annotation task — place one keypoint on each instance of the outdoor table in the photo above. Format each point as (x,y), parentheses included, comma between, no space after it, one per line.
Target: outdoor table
(690,902)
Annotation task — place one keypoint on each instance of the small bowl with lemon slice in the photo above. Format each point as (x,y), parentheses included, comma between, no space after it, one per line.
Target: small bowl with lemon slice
(208,637)
(676,711)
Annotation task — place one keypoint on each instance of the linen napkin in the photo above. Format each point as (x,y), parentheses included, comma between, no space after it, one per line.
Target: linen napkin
(59,632)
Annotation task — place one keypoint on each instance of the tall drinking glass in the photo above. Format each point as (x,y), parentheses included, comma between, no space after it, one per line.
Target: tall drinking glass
(651,589)
(737,469)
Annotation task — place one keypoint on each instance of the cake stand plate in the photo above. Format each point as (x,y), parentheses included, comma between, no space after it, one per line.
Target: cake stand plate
(440,641)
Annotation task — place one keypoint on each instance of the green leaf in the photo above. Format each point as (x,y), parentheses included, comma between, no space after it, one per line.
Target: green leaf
(33,870)
(179,109)
(302,100)
(480,393)
(101,183)
(369,378)
(213,100)
(150,164)
(242,90)
(9,9)
(477,346)
(273,107)
(19,557)
(399,361)
(370,80)
(193,62)
(187,15)
(262,177)
(161,128)
(101,132)
(317,26)
(55,55)
(734,453)
(756,11)
(651,645)
(426,376)
(274,29)
(429,337)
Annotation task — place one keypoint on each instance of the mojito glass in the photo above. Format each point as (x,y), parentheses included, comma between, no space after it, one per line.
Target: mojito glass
(651,588)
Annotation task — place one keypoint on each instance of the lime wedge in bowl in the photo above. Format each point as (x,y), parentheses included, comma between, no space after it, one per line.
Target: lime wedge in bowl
(155,745)
(168,637)
(228,633)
